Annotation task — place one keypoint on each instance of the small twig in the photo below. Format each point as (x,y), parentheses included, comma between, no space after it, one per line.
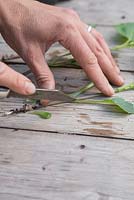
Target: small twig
(25,108)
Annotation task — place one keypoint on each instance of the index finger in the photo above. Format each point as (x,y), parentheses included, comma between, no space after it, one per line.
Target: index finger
(74,42)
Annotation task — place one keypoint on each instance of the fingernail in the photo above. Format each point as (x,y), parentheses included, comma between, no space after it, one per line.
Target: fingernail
(121,79)
(29,88)
(110,90)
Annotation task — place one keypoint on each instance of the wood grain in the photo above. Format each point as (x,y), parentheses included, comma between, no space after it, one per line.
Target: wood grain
(42,160)
(40,165)
(102,12)
(96,120)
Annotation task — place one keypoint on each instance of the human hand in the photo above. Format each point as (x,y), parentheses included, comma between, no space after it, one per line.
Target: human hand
(15,81)
(37,26)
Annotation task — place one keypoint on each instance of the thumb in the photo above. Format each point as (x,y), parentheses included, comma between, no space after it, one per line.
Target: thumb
(15,81)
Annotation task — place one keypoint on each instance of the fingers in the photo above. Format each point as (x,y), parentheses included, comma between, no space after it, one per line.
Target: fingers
(83,54)
(104,59)
(36,61)
(15,81)
(99,38)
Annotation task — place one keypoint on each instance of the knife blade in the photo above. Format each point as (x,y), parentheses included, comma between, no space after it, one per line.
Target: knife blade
(52,95)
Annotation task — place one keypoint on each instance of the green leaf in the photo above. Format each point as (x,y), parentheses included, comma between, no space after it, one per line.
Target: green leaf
(82,90)
(42,114)
(125,106)
(126,30)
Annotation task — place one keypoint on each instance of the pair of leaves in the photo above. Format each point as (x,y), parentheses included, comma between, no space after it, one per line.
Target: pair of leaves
(127,31)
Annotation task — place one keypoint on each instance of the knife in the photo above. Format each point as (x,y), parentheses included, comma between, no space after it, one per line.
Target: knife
(52,95)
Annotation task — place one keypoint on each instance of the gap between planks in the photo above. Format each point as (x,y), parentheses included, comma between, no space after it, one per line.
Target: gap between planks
(60,133)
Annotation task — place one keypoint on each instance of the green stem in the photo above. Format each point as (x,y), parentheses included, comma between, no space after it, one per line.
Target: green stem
(92,101)
(118,47)
(125,88)
(82,90)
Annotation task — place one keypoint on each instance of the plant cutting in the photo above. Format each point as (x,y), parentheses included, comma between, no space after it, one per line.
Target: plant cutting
(126,30)
(120,103)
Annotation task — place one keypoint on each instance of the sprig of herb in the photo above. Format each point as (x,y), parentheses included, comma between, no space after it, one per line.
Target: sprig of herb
(82,90)
(127,31)
(120,103)
(123,88)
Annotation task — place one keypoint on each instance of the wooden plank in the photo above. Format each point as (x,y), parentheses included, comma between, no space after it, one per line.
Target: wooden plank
(102,12)
(95,120)
(38,165)
(74,119)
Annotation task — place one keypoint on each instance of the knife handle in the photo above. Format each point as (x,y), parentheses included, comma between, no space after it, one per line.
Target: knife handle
(4,92)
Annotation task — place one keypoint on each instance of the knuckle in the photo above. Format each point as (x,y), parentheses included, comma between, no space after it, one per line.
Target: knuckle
(98,50)
(68,27)
(99,36)
(45,81)
(18,81)
(70,12)
(68,30)
(43,78)
(92,60)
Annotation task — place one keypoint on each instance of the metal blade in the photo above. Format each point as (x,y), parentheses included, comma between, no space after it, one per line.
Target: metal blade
(52,95)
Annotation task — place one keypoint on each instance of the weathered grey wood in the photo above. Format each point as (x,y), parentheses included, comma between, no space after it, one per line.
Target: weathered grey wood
(96,120)
(74,119)
(40,165)
(102,12)
(46,166)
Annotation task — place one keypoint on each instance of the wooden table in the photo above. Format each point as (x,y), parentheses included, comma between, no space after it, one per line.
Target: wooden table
(84,152)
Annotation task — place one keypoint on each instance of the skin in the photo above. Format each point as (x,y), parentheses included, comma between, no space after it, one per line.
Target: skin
(30,28)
